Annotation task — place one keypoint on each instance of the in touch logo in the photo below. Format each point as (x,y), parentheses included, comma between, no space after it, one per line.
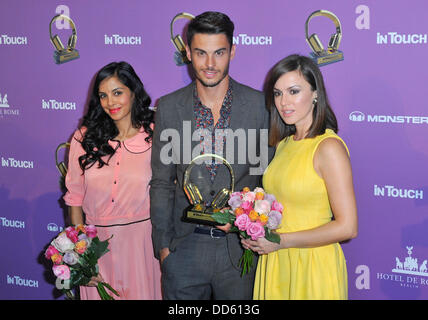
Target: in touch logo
(119,40)
(397,38)
(13,40)
(395,192)
(247,40)
(15,280)
(52,104)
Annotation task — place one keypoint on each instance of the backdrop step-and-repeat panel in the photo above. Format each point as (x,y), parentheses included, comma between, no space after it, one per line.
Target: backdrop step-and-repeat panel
(378,93)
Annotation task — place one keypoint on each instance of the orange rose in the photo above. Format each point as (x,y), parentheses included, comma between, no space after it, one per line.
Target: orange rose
(239,211)
(80,227)
(80,246)
(246,189)
(253,215)
(56,258)
(263,219)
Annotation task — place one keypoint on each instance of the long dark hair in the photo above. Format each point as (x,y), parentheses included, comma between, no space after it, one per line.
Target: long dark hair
(100,128)
(323,115)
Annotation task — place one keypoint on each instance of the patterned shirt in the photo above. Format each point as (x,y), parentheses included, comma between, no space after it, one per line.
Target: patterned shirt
(205,121)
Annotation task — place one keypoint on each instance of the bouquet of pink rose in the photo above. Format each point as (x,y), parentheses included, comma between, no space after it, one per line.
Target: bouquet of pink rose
(75,253)
(254,214)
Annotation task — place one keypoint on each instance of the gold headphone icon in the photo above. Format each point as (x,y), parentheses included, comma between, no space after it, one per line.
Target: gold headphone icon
(180,56)
(192,191)
(61,166)
(314,41)
(62,54)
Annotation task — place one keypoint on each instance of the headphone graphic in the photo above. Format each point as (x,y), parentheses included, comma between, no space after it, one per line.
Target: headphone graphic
(192,191)
(180,56)
(56,41)
(313,40)
(61,166)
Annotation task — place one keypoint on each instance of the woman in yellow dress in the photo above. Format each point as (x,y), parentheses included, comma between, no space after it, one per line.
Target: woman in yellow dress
(311,176)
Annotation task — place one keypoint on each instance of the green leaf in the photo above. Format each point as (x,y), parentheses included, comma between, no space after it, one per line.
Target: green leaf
(100,248)
(234,229)
(221,217)
(272,236)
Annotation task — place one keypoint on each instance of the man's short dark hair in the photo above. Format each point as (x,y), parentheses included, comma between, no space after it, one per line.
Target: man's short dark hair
(211,22)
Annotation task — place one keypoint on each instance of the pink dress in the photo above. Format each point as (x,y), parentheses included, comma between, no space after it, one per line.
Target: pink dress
(118,194)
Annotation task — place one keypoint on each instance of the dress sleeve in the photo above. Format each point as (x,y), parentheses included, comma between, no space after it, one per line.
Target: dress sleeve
(74,181)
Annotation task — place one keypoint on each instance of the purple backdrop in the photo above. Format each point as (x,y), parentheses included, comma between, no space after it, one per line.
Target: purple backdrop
(377,92)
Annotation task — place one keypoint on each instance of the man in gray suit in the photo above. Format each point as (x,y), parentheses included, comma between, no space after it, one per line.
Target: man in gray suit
(200,262)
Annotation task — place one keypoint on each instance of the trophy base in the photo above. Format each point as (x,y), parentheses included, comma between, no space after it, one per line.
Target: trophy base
(327,57)
(65,56)
(199,217)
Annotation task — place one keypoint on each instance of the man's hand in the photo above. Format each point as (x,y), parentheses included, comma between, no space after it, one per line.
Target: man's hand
(225,228)
(163,254)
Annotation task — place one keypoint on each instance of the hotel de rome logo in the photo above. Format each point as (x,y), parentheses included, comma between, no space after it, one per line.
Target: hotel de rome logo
(5,109)
(409,272)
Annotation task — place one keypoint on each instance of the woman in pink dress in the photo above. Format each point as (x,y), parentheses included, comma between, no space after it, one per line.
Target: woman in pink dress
(108,182)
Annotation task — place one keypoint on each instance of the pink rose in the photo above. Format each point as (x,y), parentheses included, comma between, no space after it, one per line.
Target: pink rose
(262,206)
(242,222)
(61,271)
(236,194)
(50,251)
(276,206)
(247,206)
(255,230)
(72,234)
(91,231)
(249,196)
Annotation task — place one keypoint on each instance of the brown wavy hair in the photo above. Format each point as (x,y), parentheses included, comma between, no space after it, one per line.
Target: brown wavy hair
(323,116)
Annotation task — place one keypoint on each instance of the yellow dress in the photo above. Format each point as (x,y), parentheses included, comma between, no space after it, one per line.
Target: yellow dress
(300,273)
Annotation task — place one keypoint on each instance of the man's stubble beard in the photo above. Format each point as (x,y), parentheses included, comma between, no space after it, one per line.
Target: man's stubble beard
(211,85)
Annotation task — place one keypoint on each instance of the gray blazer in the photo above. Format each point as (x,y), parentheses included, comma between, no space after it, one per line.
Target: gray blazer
(167,198)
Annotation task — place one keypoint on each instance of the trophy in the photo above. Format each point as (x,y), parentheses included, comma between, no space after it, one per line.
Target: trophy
(62,167)
(198,212)
(180,56)
(319,55)
(62,54)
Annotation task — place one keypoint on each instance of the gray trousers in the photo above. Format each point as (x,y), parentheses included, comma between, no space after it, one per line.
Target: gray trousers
(200,269)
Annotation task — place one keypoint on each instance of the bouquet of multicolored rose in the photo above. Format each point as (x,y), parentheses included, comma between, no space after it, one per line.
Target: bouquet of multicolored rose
(75,253)
(253,214)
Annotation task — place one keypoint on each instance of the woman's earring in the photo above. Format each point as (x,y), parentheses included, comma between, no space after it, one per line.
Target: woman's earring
(315,101)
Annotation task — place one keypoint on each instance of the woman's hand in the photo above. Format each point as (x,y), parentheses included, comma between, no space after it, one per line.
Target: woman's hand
(95,280)
(261,245)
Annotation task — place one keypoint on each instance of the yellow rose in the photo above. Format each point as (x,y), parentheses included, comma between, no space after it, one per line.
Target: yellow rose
(260,195)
